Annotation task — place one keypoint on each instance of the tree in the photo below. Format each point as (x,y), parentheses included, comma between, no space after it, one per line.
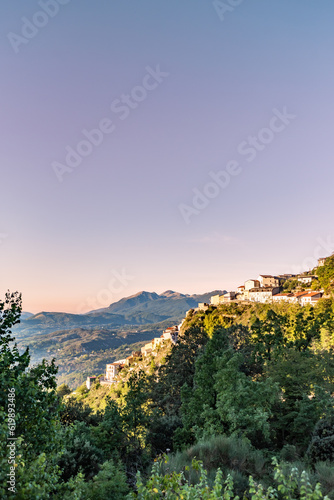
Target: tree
(199,402)
(109,483)
(325,274)
(306,381)
(28,404)
(79,452)
(124,427)
(178,370)
(303,328)
(73,410)
(244,405)
(63,390)
(135,414)
(268,335)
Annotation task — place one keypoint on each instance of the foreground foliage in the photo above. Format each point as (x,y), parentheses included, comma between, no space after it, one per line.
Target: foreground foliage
(174,486)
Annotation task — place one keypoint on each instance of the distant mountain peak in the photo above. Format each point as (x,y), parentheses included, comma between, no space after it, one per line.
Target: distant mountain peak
(172,293)
(26,315)
(141,308)
(143,293)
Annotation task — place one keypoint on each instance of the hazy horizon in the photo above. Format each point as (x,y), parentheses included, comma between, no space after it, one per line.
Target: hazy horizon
(155,146)
(126,296)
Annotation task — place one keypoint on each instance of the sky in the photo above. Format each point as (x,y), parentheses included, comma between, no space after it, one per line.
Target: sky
(159,145)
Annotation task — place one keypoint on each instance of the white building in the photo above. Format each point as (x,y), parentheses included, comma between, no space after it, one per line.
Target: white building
(301,298)
(306,280)
(268,280)
(112,369)
(262,295)
(202,306)
(227,297)
(90,381)
(215,300)
(249,284)
(284,297)
(148,348)
(310,298)
(171,334)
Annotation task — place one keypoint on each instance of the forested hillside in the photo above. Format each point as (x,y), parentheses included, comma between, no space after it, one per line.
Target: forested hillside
(246,391)
(80,352)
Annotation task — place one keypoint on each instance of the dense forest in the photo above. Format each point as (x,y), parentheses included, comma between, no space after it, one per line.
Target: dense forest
(241,406)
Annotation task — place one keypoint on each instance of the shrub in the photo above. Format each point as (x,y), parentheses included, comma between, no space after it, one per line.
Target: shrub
(109,483)
(235,457)
(174,485)
(80,454)
(229,452)
(289,453)
(321,447)
(325,476)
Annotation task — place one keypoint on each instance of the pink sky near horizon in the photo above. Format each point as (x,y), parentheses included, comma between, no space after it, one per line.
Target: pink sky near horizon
(118,211)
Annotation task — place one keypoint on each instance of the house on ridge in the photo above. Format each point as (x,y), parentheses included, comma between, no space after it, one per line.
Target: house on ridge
(310,298)
(249,284)
(268,280)
(263,294)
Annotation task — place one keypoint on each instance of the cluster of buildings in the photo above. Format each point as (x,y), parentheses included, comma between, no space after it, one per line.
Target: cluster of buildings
(112,369)
(267,288)
(302,298)
(168,334)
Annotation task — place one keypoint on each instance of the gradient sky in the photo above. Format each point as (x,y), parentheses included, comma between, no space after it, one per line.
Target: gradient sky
(62,243)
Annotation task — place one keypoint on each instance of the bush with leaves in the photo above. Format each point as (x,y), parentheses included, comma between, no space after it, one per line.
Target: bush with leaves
(109,483)
(321,448)
(80,453)
(173,486)
(63,390)
(73,410)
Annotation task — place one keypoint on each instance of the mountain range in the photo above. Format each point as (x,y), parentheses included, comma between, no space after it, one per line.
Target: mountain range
(139,309)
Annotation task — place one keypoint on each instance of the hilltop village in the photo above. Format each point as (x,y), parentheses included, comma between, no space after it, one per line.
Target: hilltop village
(112,369)
(265,289)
